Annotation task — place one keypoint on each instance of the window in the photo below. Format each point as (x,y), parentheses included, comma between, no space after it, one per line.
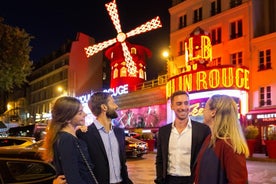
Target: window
(182,21)
(141,74)
(215,7)
(216,36)
(234,3)
(123,72)
(265,96)
(215,62)
(264,60)
(236,29)
(236,58)
(197,15)
(133,50)
(181,48)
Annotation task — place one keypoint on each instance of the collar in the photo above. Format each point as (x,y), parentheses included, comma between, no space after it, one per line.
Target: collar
(189,124)
(99,126)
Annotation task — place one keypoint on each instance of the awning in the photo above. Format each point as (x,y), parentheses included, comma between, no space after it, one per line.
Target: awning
(262,111)
(262,117)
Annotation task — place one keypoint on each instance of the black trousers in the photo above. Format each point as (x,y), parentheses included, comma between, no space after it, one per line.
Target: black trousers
(178,179)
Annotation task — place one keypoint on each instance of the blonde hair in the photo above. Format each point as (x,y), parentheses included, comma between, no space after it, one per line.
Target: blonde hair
(64,109)
(226,124)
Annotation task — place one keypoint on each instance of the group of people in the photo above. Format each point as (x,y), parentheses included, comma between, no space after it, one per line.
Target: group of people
(187,151)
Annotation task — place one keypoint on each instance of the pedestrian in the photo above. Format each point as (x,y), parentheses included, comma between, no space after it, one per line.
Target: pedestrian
(106,143)
(68,154)
(178,143)
(222,158)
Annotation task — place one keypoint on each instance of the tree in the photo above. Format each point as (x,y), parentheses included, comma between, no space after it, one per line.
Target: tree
(15,64)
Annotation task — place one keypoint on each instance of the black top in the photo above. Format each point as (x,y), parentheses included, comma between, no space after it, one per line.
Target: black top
(69,161)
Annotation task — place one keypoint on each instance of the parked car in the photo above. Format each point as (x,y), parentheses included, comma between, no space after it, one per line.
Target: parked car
(135,147)
(22,165)
(16,142)
(132,134)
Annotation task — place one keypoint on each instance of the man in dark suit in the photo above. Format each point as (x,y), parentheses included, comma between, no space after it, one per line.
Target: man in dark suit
(106,144)
(178,143)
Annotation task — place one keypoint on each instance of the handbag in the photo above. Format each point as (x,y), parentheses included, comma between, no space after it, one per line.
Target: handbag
(86,162)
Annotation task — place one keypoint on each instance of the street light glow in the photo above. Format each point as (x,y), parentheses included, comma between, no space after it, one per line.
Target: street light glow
(165,54)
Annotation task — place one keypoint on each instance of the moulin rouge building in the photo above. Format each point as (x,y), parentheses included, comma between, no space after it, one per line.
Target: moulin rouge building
(215,48)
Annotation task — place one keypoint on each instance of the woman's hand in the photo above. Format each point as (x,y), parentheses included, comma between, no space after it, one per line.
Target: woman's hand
(60,180)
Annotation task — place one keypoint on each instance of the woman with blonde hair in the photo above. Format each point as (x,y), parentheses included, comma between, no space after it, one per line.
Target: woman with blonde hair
(222,158)
(68,154)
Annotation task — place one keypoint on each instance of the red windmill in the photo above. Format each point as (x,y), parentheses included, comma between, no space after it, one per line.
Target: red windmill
(121,37)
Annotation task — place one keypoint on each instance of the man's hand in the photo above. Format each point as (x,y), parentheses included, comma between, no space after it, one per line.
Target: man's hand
(60,180)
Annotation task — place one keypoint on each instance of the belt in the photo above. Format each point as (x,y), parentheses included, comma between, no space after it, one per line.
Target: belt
(177,179)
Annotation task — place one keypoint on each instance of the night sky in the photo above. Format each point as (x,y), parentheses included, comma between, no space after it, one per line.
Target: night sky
(52,23)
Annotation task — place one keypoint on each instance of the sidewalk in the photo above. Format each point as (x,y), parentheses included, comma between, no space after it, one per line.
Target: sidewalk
(261,157)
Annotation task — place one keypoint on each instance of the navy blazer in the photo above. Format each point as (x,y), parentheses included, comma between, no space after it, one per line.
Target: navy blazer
(199,132)
(98,154)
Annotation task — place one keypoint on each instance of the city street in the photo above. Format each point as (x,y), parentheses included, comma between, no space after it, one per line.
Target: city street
(142,170)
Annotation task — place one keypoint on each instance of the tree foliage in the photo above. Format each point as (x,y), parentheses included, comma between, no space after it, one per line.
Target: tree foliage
(15,64)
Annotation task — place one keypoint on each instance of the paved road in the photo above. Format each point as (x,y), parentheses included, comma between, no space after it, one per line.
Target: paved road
(142,170)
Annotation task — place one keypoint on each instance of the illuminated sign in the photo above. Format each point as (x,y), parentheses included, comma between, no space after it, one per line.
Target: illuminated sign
(267,117)
(115,92)
(214,78)
(199,47)
(119,90)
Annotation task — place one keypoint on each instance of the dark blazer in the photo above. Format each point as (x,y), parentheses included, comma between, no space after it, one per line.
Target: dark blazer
(199,132)
(98,154)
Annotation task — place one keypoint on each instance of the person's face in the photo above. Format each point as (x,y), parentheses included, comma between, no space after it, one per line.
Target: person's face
(111,108)
(208,114)
(181,106)
(79,118)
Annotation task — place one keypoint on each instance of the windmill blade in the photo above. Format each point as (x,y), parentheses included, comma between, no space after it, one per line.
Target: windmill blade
(132,69)
(150,25)
(113,13)
(91,50)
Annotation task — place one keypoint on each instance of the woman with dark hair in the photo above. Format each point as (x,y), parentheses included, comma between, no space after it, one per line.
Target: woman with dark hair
(68,154)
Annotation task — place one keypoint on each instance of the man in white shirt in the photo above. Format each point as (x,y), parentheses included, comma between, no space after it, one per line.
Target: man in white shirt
(178,143)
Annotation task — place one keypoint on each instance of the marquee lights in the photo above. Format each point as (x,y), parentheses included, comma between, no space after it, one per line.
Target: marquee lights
(224,77)
(120,90)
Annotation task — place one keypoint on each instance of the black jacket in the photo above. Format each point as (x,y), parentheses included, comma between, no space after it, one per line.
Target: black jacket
(98,154)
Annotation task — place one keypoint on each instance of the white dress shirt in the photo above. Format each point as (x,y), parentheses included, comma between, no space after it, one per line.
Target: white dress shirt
(180,146)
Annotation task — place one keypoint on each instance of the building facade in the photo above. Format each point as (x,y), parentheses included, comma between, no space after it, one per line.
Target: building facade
(70,73)
(242,34)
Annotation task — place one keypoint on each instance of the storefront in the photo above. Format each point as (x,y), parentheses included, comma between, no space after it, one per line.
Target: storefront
(265,120)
